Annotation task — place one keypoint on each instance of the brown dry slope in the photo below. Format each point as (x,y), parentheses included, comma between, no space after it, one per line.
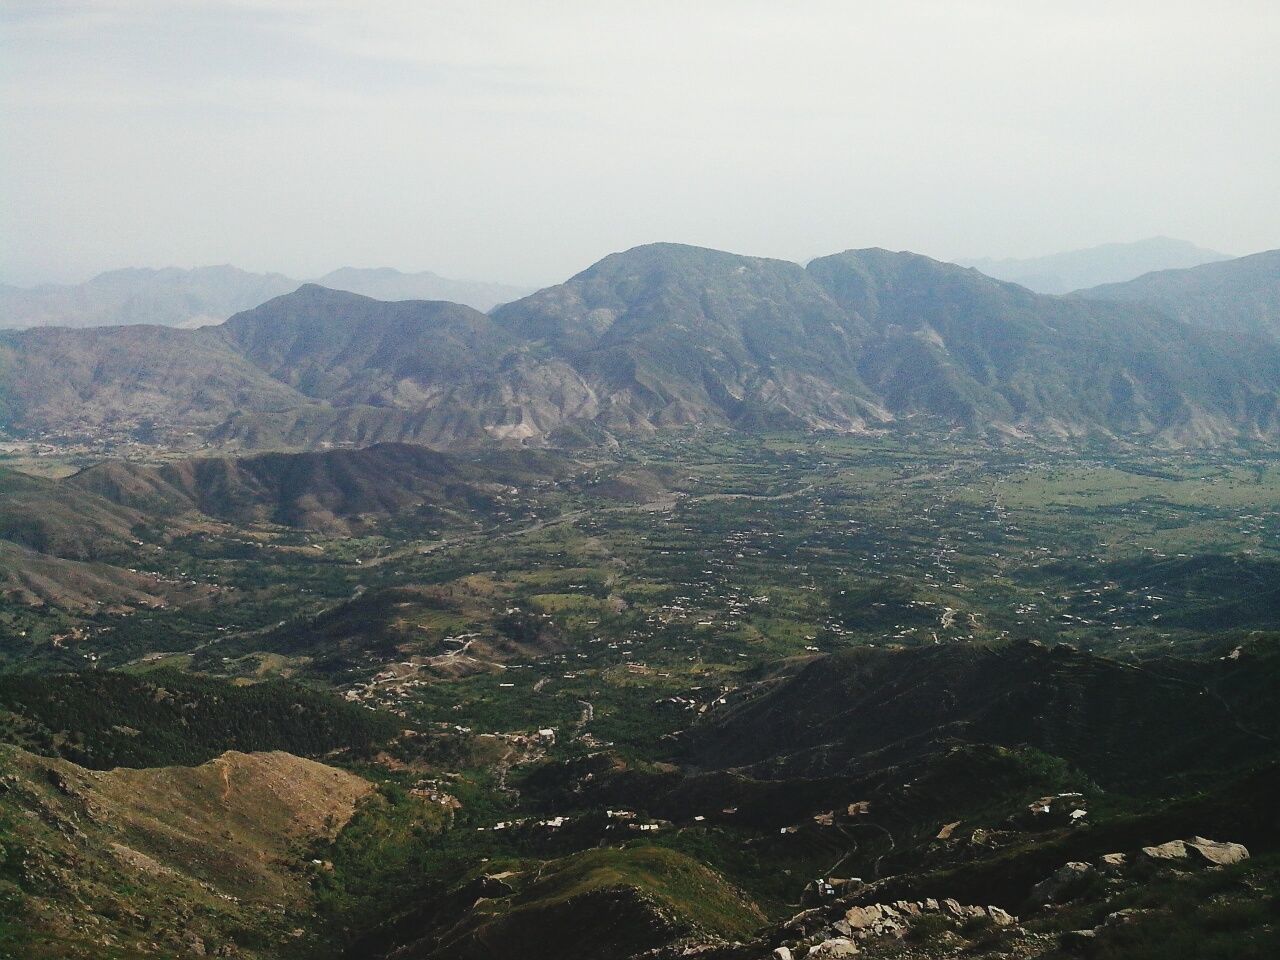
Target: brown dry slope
(171,861)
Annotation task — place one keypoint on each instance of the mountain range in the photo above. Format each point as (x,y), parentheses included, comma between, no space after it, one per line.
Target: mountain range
(660,335)
(173,297)
(1108,263)
(202,296)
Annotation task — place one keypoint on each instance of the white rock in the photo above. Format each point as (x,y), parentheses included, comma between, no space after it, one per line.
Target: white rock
(1217,853)
(835,947)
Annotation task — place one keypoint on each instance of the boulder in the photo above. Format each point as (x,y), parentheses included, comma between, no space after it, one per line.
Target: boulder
(1113,862)
(782,953)
(1170,852)
(961,911)
(1216,853)
(833,948)
(891,928)
(1001,918)
(1062,884)
(864,918)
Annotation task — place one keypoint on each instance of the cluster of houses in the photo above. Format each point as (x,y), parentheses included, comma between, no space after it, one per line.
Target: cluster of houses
(433,792)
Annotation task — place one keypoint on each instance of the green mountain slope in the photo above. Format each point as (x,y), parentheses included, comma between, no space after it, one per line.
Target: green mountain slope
(1121,725)
(595,905)
(103,719)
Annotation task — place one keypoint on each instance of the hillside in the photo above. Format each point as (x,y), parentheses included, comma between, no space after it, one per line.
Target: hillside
(1108,263)
(951,343)
(658,336)
(102,540)
(1121,725)
(148,383)
(192,860)
(316,490)
(30,578)
(65,548)
(331,491)
(429,372)
(103,719)
(61,519)
(1237,296)
(596,905)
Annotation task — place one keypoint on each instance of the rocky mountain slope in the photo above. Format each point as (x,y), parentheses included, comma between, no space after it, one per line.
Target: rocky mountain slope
(1237,296)
(144,382)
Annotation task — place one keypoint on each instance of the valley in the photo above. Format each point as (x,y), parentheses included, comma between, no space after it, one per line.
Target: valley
(648,680)
(838,520)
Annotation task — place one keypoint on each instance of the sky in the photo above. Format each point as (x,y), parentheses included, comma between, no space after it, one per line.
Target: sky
(522,141)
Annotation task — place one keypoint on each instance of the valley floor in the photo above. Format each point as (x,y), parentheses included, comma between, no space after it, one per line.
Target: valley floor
(678,695)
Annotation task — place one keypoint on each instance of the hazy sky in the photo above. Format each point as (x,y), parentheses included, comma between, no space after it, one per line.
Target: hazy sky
(521,141)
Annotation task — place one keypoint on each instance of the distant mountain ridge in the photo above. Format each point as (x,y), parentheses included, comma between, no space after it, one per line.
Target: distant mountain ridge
(386,283)
(1238,296)
(169,297)
(657,336)
(1109,263)
(173,297)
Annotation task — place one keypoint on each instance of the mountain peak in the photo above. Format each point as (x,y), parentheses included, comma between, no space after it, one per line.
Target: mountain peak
(674,255)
